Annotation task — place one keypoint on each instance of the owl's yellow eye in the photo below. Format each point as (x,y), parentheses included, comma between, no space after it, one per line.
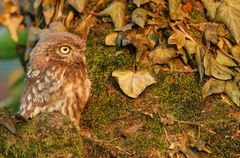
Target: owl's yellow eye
(65,49)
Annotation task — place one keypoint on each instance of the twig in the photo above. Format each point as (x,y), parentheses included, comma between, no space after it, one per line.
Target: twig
(228,55)
(189,123)
(105,145)
(180,71)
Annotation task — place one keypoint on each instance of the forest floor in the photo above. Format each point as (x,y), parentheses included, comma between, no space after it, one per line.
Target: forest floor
(168,118)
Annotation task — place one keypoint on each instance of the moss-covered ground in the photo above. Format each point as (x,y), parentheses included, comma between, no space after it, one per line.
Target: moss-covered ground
(123,127)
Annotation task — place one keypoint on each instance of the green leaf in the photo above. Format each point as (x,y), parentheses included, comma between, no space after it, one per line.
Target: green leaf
(224,60)
(228,13)
(139,16)
(232,90)
(79,5)
(213,68)
(133,83)
(8,46)
(117,12)
(213,86)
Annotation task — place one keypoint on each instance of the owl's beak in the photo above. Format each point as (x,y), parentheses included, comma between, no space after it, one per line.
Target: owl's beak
(79,57)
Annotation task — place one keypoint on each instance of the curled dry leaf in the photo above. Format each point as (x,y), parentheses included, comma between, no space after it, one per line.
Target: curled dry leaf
(117,12)
(139,16)
(213,86)
(48,10)
(84,27)
(133,83)
(232,90)
(213,68)
(79,5)
(228,13)
(162,55)
(177,38)
(111,39)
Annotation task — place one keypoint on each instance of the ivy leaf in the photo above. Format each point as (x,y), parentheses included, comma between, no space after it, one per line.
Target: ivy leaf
(133,83)
(162,55)
(117,12)
(228,13)
(139,16)
(79,5)
(213,68)
(177,38)
(224,60)
(213,86)
(232,90)
(140,2)
(211,7)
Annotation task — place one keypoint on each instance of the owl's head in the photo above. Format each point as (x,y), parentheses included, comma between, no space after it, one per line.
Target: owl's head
(60,47)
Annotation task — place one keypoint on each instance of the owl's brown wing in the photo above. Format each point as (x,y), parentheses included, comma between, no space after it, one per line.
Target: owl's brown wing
(41,89)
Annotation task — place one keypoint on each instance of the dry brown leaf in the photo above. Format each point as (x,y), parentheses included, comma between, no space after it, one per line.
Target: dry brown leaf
(133,83)
(213,86)
(213,68)
(177,38)
(117,12)
(228,13)
(48,10)
(79,5)
(162,55)
(232,90)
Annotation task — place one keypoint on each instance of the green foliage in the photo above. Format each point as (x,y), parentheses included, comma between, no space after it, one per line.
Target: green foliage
(8,46)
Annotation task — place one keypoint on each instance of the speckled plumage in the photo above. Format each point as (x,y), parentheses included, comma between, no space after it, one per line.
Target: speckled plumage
(56,81)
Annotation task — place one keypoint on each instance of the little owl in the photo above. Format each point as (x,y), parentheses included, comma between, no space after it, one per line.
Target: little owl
(57,77)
